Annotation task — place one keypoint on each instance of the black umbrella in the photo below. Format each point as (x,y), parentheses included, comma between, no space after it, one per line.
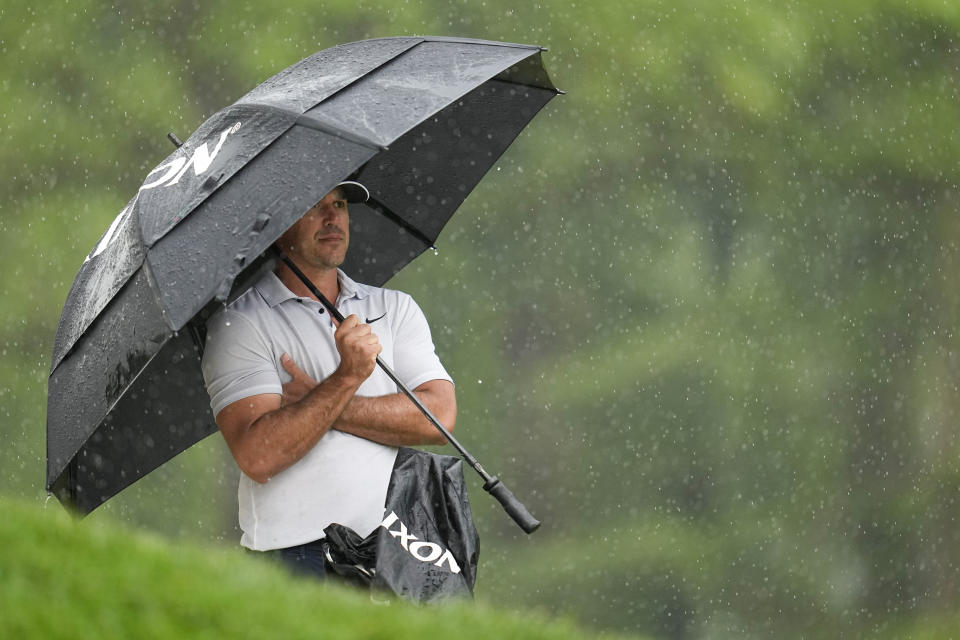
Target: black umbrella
(417,120)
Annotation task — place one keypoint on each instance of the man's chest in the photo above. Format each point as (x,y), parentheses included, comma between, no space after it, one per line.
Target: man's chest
(307,333)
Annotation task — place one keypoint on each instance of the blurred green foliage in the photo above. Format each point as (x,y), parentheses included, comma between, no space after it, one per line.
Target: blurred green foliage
(701,315)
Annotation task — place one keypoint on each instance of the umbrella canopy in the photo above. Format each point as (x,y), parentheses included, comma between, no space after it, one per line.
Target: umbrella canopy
(419,121)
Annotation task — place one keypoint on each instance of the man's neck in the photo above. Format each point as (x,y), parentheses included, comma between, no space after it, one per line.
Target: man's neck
(323,279)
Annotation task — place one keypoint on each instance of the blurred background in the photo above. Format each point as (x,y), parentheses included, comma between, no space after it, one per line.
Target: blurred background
(701,314)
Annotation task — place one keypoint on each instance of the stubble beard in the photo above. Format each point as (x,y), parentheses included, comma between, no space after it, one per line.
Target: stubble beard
(329,260)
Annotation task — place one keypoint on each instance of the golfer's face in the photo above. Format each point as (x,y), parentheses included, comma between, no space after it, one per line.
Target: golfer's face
(320,237)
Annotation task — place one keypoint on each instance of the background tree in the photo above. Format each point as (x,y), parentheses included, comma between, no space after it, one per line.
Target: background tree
(700,316)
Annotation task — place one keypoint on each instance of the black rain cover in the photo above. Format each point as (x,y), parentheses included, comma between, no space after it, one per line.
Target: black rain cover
(426,548)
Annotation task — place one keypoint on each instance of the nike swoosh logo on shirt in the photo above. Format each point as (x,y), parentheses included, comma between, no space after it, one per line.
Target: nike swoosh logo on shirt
(369,321)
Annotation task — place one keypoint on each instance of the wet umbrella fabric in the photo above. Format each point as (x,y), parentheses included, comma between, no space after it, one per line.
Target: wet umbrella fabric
(417,120)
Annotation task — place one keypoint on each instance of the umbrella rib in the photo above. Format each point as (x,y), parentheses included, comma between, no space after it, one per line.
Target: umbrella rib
(390,60)
(383,210)
(319,125)
(314,123)
(491,43)
(559,92)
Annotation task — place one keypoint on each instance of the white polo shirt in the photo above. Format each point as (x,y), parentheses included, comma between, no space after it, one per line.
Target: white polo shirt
(344,478)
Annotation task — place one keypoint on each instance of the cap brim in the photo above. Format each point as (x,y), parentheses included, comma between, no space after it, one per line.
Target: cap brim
(354,191)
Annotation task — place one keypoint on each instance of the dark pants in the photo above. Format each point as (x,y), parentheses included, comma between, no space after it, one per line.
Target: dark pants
(304,560)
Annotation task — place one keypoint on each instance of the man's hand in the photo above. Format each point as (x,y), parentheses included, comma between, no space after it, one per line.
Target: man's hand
(352,337)
(299,386)
(359,347)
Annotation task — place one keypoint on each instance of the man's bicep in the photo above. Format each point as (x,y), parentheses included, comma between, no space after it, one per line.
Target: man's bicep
(442,389)
(441,399)
(235,419)
(238,361)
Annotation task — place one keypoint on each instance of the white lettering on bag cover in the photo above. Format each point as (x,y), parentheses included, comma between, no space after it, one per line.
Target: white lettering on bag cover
(422,551)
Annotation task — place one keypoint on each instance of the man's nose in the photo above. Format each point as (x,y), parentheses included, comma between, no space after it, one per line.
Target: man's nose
(328,214)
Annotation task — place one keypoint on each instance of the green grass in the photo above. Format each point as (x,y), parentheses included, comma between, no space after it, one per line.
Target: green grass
(61,577)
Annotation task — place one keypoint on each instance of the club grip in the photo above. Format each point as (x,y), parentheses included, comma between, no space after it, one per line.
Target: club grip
(511,505)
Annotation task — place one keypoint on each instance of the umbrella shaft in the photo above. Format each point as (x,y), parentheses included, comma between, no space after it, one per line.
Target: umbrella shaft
(433,420)
(386,369)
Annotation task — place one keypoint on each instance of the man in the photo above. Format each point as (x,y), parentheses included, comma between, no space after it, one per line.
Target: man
(317,453)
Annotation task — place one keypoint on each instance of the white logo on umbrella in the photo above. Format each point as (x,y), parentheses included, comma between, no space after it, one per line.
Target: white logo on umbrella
(201,160)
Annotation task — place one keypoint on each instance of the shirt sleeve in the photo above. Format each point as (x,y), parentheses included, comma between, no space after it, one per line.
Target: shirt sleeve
(415,359)
(237,361)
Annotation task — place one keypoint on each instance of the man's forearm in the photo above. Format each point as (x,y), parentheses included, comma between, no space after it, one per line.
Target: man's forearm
(394,420)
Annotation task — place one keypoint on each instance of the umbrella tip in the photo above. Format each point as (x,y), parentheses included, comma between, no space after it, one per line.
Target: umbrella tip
(174,139)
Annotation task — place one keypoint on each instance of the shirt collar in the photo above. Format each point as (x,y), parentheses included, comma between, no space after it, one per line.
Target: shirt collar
(274,291)
(349,288)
